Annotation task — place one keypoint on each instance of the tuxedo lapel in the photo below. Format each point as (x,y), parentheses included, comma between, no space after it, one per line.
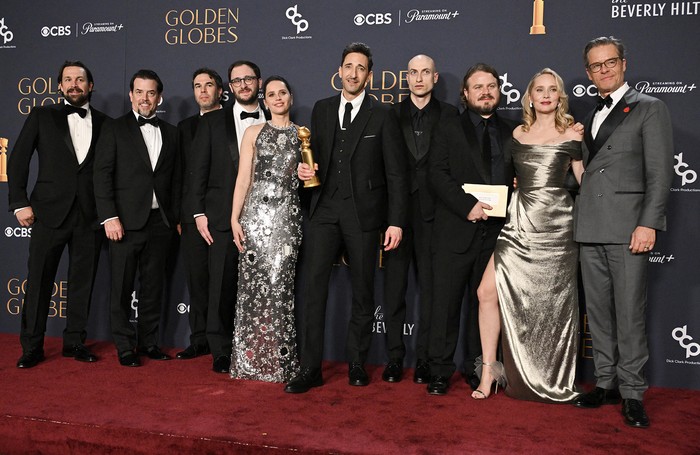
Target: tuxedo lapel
(429,122)
(473,150)
(588,137)
(136,136)
(407,128)
(97,120)
(357,127)
(231,136)
(613,120)
(61,120)
(164,150)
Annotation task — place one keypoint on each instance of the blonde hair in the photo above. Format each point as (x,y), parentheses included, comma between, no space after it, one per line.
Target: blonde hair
(562,119)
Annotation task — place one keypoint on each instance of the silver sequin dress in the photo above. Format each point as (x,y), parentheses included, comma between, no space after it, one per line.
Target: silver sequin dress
(264,339)
(536,261)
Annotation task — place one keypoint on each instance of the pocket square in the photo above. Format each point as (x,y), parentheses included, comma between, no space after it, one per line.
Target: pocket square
(368,136)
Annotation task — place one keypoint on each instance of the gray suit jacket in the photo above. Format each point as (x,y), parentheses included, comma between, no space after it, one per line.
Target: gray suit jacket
(629,169)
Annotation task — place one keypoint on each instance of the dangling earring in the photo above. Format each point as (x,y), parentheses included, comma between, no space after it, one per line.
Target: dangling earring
(531,106)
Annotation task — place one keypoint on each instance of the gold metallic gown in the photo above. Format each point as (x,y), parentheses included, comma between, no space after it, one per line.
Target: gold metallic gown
(536,262)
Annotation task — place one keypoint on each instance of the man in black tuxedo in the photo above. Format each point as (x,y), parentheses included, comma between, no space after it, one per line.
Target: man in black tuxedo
(138,185)
(211,180)
(471,148)
(208,88)
(363,189)
(417,115)
(61,211)
(628,154)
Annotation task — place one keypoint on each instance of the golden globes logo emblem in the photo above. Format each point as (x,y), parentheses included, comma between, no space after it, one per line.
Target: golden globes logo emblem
(38,91)
(381,86)
(201,26)
(537,18)
(3,159)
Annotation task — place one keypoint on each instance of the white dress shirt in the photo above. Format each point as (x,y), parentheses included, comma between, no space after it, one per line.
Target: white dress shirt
(356,103)
(600,116)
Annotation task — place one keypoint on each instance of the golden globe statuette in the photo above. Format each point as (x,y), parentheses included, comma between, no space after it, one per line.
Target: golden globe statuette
(3,159)
(537,18)
(307,155)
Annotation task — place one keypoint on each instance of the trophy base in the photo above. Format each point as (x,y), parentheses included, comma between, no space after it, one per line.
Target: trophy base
(537,30)
(312,182)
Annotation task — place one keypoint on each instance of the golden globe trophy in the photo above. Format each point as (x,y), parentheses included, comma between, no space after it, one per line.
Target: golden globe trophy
(537,18)
(3,159)
(307,155)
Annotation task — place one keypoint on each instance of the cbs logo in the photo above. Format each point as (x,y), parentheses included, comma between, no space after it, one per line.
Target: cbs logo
(372,19)
(582,90)
(56,30)
(18,232)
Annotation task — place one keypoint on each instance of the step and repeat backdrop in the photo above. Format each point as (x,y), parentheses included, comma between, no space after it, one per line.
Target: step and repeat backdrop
(302,41)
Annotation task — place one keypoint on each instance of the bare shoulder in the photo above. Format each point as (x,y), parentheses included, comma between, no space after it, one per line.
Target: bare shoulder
(519,133)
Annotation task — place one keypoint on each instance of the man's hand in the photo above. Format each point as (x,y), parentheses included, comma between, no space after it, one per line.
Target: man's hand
(114,230)
(578,128)
(392,237)
(25,217)
(477,212)
(643,240)
(305,172)
(203,227)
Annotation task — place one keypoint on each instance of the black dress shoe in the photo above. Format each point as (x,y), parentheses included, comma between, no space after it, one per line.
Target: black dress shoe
(79,352)
(422,373)
(473,380)
(30,359)
(192,351)
(154,353)
(393,372)
(129,359)
(438,385)
(597,397)
(305,380)
(357,375)
(222,364)
(633,412)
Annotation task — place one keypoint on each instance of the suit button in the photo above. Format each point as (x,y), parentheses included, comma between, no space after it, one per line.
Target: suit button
(609,147)
(600,194)
(602,170)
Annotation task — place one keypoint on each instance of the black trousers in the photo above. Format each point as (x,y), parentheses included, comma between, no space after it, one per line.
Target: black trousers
(45,250)
(195,253)
(223,286)
(335,223)
(145,250)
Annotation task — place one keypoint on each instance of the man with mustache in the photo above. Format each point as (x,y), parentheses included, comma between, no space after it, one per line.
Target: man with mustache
(138,184)
(208,88)
(61,211)
(363,193)
(208,200)
(471,148)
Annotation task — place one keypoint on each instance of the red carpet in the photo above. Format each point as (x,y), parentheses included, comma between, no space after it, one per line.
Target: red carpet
(67,407)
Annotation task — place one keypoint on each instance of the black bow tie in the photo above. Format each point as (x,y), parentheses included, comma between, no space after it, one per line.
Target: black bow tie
(70,109)
(245,115)
(604,102)
(143,120)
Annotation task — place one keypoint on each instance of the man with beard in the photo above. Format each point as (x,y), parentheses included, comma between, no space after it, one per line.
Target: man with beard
(418,116)
(210,183)
(61,211)
(471,148)
(208,88)
(138,184)
(363,190)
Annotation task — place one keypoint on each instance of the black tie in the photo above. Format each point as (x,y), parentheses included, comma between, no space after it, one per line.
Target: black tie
(70,109)
(347,117)
(486,147)
(245,115)
(153,121)
(604,102)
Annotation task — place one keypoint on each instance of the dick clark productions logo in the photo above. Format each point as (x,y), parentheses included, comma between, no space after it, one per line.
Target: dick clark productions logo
(680,334)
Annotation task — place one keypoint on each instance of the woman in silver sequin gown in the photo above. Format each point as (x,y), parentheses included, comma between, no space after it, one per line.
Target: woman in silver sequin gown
(532,275)
(266,223)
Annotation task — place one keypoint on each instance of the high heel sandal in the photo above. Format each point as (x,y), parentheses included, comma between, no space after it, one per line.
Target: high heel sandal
(497,371)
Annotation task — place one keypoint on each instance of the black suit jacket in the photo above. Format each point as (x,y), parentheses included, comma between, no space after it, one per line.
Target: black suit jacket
(124,179)
(61,180)
(438,112)
(455,159)
(213,169)
(378,167)
(186,131)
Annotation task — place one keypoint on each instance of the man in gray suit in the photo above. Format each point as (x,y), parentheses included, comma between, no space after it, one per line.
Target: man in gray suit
(628,154)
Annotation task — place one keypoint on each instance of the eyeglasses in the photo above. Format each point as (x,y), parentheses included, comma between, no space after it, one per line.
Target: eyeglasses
(609,63)
(248,80)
